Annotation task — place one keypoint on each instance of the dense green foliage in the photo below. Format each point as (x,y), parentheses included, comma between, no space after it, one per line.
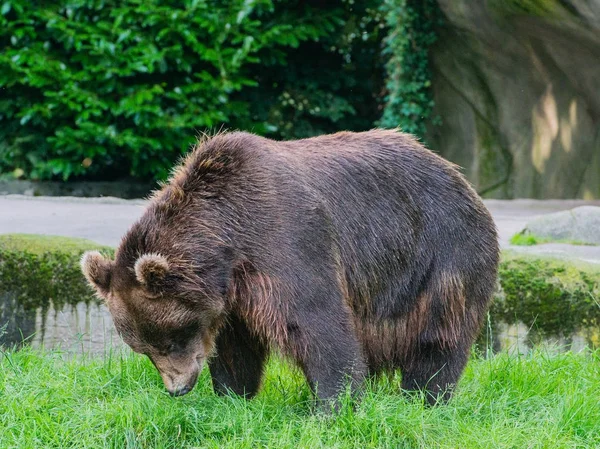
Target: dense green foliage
(551,297)
(326,84)
(413,25)
(52,400)
(103,89)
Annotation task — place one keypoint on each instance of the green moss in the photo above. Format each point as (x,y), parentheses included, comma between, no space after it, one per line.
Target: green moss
(552,297)
(521,239)
(40,244)
(538,8)
(39,271)
(529,239)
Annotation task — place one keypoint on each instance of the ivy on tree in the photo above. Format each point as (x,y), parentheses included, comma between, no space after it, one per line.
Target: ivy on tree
(413,25)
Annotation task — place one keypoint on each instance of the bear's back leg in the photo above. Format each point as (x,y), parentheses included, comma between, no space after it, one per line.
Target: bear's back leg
(434,370)
(434,357)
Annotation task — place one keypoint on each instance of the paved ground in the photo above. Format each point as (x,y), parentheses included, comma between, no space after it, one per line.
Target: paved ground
(512,215)
(104,220)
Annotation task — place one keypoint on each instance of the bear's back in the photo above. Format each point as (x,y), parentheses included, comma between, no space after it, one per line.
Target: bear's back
(400,212)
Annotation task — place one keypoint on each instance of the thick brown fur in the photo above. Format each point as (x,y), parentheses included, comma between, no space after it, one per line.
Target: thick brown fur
(352,253)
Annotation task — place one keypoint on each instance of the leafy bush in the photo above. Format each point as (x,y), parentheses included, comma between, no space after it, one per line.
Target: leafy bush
(104,89)
(327,84)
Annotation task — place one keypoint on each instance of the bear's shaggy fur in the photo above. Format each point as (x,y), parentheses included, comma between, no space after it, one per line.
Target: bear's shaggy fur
(352,253)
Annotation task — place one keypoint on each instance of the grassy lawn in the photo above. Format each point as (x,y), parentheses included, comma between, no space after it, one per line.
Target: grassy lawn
(51,400)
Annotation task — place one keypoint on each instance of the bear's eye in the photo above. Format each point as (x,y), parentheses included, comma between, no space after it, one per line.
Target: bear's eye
(166,350)
(182,335)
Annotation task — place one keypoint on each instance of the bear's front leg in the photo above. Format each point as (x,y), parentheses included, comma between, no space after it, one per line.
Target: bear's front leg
(322,340)
(239,361)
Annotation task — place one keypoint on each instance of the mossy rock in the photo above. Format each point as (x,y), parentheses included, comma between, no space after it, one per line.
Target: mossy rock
(40,244)
(552,297)
(39,270)
(578,226)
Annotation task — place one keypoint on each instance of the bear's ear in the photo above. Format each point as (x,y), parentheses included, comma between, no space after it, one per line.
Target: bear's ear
(151,270)
(97,270)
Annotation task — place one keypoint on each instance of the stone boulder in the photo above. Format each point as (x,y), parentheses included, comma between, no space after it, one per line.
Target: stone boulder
(581,224)
(516,84)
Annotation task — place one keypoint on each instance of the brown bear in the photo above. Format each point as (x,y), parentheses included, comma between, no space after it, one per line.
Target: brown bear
(352,253)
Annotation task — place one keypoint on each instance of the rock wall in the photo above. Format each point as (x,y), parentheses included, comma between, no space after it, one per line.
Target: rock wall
(517,87)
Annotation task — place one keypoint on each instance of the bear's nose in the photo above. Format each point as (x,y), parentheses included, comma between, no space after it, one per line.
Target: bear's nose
(180,391)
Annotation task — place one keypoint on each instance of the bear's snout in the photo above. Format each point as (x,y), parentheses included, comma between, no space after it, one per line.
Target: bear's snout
(179,374)
(178,386)
(181,391)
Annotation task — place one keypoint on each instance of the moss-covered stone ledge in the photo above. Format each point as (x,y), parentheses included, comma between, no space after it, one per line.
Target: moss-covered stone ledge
(39,270)
(552,297)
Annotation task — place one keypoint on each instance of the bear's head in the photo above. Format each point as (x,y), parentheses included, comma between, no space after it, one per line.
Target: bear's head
(161,309)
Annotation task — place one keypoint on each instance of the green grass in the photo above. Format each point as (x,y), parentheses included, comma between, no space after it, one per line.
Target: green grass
(50,400)
(39,244)
(528,239)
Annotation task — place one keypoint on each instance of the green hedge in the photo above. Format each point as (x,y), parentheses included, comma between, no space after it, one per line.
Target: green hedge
(554,298)
(104,89)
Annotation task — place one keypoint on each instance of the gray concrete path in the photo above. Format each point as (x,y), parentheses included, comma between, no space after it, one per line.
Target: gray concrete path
(105,220)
